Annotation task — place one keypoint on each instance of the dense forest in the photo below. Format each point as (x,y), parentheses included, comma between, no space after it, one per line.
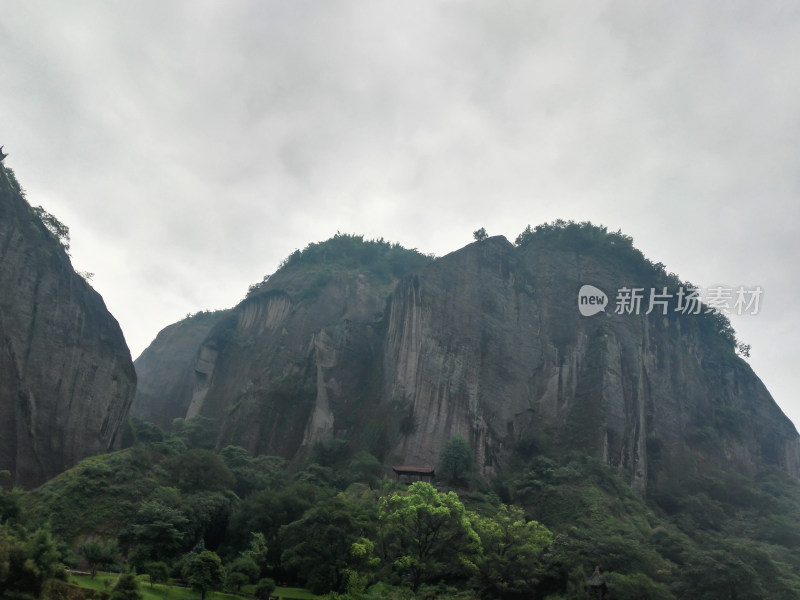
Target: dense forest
(173,510)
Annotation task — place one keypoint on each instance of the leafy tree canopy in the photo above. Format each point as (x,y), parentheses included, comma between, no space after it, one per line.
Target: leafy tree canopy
(427,535)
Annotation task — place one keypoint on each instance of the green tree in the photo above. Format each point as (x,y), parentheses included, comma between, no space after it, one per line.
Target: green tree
(126,588)
(99,553)
(512,552)
(455,460)
(158,572)
(199,470)
(26,564)
(246,567)
(158,532)
(204,572)
(427,535)
(480,234)
(264,588)
(318,546)
(57,229)
(197,432)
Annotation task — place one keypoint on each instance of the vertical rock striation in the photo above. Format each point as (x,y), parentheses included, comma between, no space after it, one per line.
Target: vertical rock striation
(66,376)
(487,343)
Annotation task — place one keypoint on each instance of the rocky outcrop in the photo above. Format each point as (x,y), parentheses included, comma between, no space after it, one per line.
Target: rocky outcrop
(177,362)
(66,376)
(280,371)
(486,343)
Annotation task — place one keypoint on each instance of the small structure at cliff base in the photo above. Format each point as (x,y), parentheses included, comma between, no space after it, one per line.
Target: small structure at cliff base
(411,470)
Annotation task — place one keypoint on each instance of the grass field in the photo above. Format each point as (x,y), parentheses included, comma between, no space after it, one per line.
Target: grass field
(106,581)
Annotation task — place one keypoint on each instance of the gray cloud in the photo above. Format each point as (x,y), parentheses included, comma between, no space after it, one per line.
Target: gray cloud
(191,146)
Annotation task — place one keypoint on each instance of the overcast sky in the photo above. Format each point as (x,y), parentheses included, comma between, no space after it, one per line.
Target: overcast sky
(191,146)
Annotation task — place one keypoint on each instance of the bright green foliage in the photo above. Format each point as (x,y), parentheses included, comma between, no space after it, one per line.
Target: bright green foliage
(204,572)
(127,588)
(427,535)
(455,460)
(512,551)
(363,564)
(99,554)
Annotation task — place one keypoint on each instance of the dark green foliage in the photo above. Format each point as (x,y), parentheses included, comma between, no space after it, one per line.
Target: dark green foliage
(709,534)
(480,234)
(99,497)
(99,554)
(318,544)
(197,432)
(377,257)
(158,572)
(246,567)
(197,470)
(126,588)
(637,586)
(158,532)
(10,505)
(12,179)
(26,561)
(144,432)
(264,588)
(57,229)
(204,572)
(455,460)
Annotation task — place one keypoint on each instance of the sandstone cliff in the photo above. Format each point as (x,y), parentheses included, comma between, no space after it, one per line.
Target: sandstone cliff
(66,376)
(487,343)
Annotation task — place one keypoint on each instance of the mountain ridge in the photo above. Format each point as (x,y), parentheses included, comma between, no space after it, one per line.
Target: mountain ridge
(485,342)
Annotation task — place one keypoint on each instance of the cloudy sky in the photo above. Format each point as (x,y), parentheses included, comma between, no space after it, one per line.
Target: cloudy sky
(191,145)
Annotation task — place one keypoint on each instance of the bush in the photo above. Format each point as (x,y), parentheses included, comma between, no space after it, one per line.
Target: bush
(264,588)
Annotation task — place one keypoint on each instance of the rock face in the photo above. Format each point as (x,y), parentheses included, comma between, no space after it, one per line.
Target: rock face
(66,376)
(486,343)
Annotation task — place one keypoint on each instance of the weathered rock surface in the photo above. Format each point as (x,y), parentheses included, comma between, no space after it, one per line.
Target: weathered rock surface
(170,363)
(66,376)
(488,343)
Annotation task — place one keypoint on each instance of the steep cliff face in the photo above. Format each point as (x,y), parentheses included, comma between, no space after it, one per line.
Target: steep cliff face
(291,364)
(66,376)
(487,343)
(174,368)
